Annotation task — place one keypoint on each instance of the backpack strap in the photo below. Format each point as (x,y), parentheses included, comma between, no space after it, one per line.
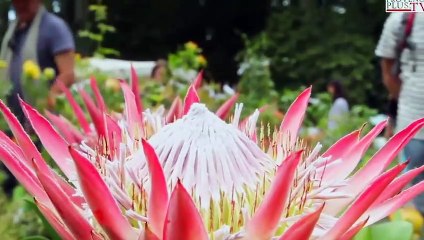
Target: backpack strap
(410,17)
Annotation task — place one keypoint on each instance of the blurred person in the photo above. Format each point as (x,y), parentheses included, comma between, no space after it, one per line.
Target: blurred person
(159,71)
(392,114)
(401,49)
(42,38)
(340,107)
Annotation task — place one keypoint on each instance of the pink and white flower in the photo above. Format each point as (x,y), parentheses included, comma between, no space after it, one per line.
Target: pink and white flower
(191,175)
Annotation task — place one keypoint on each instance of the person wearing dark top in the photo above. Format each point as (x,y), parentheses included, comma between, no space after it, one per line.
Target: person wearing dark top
(41,37)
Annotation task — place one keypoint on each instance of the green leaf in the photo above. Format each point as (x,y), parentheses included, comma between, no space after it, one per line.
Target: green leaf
(96,37)
(106,28)
(19,193)
(108,51)
(396,230)
(49,229)
(35,238)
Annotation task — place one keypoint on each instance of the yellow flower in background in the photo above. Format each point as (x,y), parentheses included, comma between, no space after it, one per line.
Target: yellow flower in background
(191,46)
(31,70)
(77,57)
(49,73)
(3,64)
(414,217)
(409,214)
(201,60)
(113,84)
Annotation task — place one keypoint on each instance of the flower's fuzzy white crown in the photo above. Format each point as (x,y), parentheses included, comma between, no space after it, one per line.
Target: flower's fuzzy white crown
(204,152)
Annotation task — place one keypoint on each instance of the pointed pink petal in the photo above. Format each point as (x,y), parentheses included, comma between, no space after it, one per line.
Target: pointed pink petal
(12,158)
(354,230)
(24,141)
(304,227)
(158,198)
(69,132)
(100,200)
(175,111)
(28,151)
(99,98)
(265,220)
(225,109)
(197,83)
(183,221)
(382,159)
(134,119)
(70,214)
(58,226)
(19,160)
(79,113)
(95,113)
(61,126)
(342,146)
(389,206)
(375,131)
(69,190)
(55,145)
(190,98)
(76,133)
(294,117)
(351,160)
(136,90)
(12,148)
(398,184)
(362,203)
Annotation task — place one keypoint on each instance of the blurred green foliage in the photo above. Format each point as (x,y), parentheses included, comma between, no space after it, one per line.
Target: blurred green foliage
(313,45)
(256,86)
(188,57)
(20,219)
(256,83)
(97,29)
(396,230)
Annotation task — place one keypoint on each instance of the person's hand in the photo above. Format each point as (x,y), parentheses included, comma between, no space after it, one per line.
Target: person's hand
(51,98)
(389,131)
(51,101)
(393,97)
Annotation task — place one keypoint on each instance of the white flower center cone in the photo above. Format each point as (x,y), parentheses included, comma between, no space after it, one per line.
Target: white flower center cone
(210,157)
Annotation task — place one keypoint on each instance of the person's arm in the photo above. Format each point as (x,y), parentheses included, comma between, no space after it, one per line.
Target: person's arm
(62,47)
(386,50)
(391,82)
(65,65)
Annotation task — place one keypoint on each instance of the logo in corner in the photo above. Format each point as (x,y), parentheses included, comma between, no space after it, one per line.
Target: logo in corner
(404,5)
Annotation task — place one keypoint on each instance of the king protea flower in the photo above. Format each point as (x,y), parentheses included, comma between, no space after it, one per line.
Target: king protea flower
(191,175)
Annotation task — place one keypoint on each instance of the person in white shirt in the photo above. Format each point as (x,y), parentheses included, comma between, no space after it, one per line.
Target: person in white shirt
(408,86)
